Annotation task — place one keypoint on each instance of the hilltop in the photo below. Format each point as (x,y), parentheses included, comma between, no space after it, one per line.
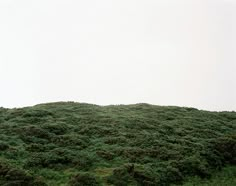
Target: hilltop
(69,143)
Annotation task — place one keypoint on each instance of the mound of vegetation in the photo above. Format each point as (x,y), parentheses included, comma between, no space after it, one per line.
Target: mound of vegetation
(69,143)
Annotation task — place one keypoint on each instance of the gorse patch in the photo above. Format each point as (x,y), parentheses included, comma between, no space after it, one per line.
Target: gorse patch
(69,143)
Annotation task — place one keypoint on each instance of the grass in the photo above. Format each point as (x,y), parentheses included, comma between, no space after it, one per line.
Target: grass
(67,143)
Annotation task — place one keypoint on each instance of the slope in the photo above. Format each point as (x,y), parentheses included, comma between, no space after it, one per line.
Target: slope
(67,143)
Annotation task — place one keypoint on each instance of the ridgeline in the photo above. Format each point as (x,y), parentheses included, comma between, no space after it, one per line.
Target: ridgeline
(67,143)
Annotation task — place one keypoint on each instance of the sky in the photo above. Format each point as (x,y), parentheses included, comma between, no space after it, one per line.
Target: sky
(162,52)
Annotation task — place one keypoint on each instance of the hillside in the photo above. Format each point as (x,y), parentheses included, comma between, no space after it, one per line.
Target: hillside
(68,143)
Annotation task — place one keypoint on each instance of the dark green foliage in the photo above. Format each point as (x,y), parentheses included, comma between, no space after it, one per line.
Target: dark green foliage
(145,177)
(84,179)
(120,177)
(226,177)
(13,176)
(82,144)
(132,174)
(226,148)
(3,146)
(123,175)
(194,165)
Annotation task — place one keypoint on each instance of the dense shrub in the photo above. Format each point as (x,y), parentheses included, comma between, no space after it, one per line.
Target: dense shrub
(37,147)
(84,179)
(84,161)
(194,165)
(170,174)
(130,174)
(106,154)
(50,159)
(32,134)
(120,177)
(70,140)
(226,147)
(13,177)
(58,128)
(138,144)
(3,146)
(143,177)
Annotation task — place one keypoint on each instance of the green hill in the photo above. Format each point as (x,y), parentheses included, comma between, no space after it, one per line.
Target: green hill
(69,143)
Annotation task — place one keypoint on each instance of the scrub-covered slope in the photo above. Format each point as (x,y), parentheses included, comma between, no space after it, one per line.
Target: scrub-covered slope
(83,144)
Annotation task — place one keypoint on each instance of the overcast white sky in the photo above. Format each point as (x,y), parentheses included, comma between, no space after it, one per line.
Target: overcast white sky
(164,52)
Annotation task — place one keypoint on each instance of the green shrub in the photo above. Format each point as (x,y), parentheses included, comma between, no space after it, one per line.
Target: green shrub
(50,159)
(139,144)
(84,179)
(58,128)
(144,177)
(194,165)
(13,177)
(226,147)
(105,154)
(3,146)
(120,177)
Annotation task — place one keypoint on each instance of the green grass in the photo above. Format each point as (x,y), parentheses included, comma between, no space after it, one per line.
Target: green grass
(69,143)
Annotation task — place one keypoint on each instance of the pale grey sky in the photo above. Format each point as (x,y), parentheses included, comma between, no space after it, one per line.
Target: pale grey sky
(164,52)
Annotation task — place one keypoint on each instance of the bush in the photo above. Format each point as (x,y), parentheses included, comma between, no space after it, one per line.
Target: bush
(105,154)
(137,144)
(32,134)
(194,165)
(49,159)
(167,174)
(131,174)
(14,176)
(84,179)
(144,177)
(56,128)
(3,146)
(226,147)
(120,177)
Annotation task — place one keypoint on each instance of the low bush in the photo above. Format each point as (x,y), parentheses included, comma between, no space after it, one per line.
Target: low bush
(226,147)
(142,144)
(3,146)
(13,177)
(84,179)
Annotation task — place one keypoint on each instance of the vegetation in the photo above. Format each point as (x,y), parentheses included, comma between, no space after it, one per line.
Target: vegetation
(82,144)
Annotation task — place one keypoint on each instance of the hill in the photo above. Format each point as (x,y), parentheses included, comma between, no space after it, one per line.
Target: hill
(69,143)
